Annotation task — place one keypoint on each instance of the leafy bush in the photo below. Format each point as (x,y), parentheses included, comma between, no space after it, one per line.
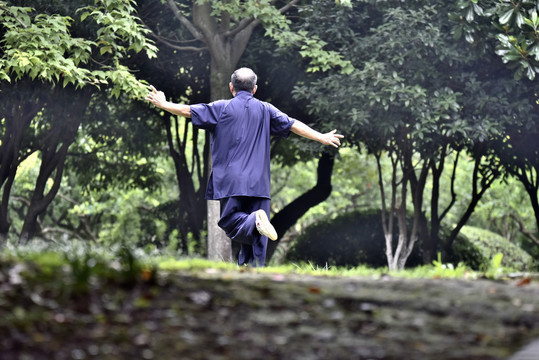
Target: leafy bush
(349,240)
(357,238)
(483,245)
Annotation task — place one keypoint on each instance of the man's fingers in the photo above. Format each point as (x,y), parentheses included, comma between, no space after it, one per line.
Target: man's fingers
(149,97)
(332,132)
(334,139)
(155,96)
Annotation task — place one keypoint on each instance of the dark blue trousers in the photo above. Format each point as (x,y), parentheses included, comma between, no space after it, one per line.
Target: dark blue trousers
(238,221)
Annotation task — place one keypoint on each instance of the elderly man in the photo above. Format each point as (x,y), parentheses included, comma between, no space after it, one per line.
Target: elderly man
(240,131)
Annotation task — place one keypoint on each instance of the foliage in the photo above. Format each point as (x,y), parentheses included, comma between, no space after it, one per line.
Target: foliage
(512,28)
(513,24)
(349,240)
(49,43)
(499,207)
(489,244)
(449,270)
(519,154)
(84,264)
(119,144)
(353,177)
(356,238)
(43,47)
(417,96)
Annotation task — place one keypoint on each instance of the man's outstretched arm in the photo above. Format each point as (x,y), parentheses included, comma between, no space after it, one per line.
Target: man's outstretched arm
(306,131)
(158,99)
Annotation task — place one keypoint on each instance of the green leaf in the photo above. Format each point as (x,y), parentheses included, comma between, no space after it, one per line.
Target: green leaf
(478,9)
(4,76)
(105,49)
(530,73)
(520,20)
(470,14)
(504,19)
(84,16)
(23,61)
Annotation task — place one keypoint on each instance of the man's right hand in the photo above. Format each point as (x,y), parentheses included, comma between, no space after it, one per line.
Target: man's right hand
(157,98)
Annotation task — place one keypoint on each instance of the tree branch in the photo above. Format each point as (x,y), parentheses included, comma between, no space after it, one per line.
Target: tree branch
(252,22)
(530,235)
(452,187)
(169,43)
(288,6)
(185,22)
(245,23)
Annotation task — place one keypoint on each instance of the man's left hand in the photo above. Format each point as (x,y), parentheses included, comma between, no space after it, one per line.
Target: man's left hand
(331,138)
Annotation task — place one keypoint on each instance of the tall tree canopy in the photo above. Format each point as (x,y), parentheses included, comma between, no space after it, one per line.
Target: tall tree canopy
(54,56)
(511,30)
(418,95)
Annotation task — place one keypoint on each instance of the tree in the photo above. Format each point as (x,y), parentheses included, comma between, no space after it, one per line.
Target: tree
(511,30)
(519,155)
(116,156)
(417,95)
(40,46)
(14,150)
(223,30)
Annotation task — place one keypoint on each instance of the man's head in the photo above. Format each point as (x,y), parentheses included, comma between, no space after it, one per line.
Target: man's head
(243,79)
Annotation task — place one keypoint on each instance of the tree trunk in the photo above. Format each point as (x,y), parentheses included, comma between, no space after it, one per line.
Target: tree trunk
(66,117)
(388,212)
(23,105)
(192,207)
(225,53)
(531,186)
(5,224)
(290,214)
(420,222)
(219,246)
(399,258)
(480,184)
(407,239)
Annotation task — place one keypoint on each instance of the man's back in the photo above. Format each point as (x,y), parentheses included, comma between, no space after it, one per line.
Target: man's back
(240,129)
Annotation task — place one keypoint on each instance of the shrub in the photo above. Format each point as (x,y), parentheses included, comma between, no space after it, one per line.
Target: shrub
(357,238)
(484,245)
(349,240)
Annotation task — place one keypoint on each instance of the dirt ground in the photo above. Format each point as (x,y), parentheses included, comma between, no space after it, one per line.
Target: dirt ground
(214,314)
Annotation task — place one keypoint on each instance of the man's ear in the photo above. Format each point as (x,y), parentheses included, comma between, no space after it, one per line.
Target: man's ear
(254,89)
(231,88)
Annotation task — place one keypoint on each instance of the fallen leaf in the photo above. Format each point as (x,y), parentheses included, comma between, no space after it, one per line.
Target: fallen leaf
(524,281)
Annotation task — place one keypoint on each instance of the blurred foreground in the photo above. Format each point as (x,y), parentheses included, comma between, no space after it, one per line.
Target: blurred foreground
(86,308)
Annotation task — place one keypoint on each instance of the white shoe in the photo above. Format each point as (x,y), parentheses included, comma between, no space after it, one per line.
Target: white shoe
(264,226)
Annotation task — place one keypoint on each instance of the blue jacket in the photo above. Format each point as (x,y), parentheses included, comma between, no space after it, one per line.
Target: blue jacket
(240,131)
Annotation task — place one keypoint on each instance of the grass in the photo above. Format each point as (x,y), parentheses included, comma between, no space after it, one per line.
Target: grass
(86,258)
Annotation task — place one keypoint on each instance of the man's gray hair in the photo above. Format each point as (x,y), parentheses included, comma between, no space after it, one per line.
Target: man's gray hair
(243,79)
